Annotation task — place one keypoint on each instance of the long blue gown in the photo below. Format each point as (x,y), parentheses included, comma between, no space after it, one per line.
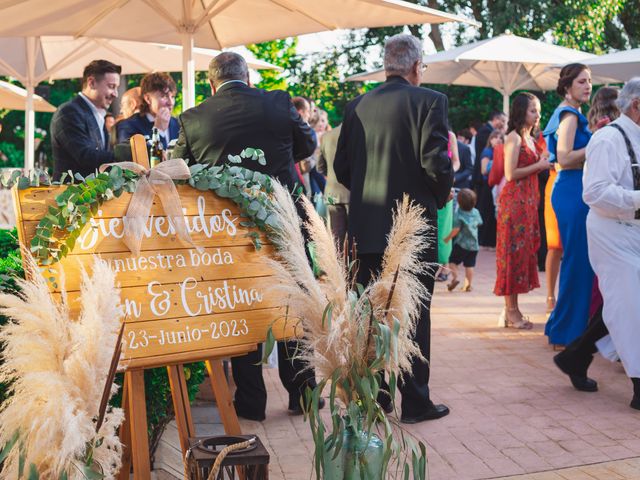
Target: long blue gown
(571,314)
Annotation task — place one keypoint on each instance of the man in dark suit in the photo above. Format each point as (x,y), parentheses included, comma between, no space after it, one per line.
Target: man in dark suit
(336,193)
(79,139)
(394,141)
(485,205)
(235,117)
(158,94)
(462,178)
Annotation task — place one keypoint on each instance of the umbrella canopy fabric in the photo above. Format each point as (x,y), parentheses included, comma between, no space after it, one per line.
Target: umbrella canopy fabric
(203,23)
(13,97)
(212,23)
(506,63)
(59,57)
(621,66)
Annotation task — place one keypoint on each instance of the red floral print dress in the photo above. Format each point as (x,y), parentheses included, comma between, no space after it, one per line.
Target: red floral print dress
(518,235)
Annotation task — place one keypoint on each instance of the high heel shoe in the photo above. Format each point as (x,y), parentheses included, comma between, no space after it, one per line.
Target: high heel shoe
(502,319)
(521,324)
(551,304)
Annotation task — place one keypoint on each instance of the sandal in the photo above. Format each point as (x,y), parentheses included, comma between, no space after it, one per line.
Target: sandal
(453,285)
(551,304)
(522,324)
(467,288)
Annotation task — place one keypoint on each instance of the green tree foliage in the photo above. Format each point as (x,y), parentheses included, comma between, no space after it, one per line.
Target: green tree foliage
(583,24)
(281,53)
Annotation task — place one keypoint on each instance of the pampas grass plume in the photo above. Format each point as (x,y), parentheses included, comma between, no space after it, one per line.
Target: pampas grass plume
(57,367)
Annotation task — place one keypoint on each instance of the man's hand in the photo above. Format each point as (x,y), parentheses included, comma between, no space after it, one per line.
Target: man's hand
(162,119)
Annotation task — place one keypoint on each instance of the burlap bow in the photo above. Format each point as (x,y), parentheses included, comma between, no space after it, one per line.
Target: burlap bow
(156,181)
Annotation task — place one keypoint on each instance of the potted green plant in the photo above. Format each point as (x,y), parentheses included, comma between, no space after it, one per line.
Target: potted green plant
(351,334)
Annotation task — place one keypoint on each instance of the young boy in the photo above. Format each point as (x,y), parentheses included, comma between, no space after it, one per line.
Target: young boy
(466,221)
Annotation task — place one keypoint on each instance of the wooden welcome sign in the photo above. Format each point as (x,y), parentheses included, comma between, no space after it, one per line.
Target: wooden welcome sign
(182,304)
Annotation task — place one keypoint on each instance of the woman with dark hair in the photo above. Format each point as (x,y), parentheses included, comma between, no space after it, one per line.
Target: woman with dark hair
(518,236)
(567,136)
(604,108)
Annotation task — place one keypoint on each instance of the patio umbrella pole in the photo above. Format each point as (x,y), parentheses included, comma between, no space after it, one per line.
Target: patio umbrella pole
(505,103)
(188,72)
(29,114)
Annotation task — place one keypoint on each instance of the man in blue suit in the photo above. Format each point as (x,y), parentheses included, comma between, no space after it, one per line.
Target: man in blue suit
(79,139)
(158,91)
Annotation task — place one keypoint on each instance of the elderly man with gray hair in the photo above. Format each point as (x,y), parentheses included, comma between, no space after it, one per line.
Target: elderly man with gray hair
(611,188)
(394,141)
(237,116)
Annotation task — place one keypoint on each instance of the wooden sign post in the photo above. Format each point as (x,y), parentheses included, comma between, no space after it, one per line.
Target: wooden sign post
(182,305)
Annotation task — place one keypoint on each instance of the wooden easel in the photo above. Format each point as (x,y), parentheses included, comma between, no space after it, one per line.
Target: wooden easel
(31,206)
(133,432)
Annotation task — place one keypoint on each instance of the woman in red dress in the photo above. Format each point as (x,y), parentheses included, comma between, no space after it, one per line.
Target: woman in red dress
(518,236)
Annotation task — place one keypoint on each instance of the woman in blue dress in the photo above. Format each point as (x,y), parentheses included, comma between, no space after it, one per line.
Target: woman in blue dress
(567,135)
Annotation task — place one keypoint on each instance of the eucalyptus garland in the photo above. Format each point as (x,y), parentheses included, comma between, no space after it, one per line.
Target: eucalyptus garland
(58,230)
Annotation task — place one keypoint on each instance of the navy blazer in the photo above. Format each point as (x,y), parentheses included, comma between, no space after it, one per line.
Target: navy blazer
(140,124)
(462,178)
(76,142)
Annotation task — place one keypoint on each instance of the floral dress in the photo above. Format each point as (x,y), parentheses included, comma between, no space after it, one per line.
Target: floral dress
(518,235)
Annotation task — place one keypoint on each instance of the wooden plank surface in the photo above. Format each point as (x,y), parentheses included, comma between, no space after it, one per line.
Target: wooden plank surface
(168,266)
(188,299)
(35,201)
(158,337)
(181,304)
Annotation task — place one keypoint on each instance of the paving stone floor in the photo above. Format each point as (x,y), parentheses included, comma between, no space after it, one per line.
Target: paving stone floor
(513,415)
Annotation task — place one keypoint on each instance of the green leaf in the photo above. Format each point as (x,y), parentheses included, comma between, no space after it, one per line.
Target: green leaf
(23,183)
(90,474)
(21,460)
(262,213)
(268,345)
(202,184)
(33,472)
(9,446)
(254,206)
(63,475)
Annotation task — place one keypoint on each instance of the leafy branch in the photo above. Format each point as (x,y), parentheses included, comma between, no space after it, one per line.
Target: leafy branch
(57,232)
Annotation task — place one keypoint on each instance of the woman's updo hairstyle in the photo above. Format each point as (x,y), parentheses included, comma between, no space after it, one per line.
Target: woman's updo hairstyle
(567,75)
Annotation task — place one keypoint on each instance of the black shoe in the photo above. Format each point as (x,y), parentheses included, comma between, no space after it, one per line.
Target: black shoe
(295,408)
(635,401)
(432,413)
(387,408)
(256,417)
(579,381)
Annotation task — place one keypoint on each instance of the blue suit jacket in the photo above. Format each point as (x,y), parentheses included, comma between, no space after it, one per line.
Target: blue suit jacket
(140,124)
(76,142)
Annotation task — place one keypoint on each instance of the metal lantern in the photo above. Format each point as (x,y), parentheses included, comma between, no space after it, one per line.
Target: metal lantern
(250,463)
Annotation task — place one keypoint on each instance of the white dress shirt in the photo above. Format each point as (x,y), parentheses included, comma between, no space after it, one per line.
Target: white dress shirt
(607,181)
(98,113)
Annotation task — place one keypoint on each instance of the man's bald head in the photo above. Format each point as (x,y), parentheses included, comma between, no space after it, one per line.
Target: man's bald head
(130,102)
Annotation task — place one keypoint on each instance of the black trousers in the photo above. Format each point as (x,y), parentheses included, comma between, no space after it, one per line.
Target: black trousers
(414,389)
(250,398)
(251,394)
(579,353)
